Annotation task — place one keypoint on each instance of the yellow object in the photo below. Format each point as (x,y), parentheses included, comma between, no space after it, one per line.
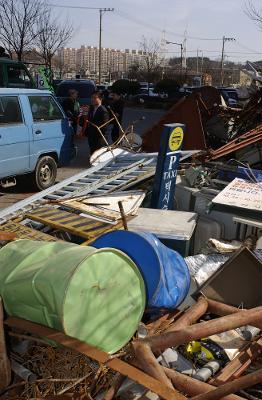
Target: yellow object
(176,139)
(196,350)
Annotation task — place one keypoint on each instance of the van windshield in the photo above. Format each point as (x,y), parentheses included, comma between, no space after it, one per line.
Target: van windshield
(18,77)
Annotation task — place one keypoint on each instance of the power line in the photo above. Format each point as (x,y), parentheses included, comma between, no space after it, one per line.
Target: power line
(136,20)
(155,28)
(77,7)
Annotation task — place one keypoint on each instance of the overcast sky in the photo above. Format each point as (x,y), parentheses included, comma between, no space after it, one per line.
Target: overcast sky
(202,19)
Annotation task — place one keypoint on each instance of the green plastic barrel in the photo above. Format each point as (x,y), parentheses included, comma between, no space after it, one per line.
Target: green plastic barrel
(97,296)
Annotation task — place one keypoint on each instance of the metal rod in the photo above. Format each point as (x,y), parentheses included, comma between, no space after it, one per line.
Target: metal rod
(149,364)
(191,315)
(204,329)
(23,372)
(191,386)
(231,387)
(96,354)
(221,309)
(123,216)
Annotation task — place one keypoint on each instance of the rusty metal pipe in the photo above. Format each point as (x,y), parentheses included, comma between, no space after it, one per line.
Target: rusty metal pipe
(123,215)
(191,386)
(191,315)
(221,309)
(149,364)
(231,387)
(204,329)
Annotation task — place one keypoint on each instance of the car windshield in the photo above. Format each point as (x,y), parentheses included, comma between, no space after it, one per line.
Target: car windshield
(85,90)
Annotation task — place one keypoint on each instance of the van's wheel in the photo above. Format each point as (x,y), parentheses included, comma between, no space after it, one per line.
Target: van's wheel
(45,173)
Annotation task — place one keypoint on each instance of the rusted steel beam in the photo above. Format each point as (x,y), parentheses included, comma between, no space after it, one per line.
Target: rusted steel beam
(221,309)
(5,367)
(94,353)
(191,315)
(123,215)
(232,387)
(239,364)
(149,364)
(240,142)
(193,387)
(204,329)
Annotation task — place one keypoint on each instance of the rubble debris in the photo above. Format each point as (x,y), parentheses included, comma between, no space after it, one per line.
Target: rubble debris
(241,142)
(212,340)
(193,111)
(98,355)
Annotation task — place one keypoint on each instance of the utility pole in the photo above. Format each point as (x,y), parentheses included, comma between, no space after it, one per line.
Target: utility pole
(181,54)
(197,62)
(102,11)
(224,40)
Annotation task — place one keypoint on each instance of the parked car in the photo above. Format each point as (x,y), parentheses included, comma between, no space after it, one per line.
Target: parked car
(35,137)
(84,87)
(14,74)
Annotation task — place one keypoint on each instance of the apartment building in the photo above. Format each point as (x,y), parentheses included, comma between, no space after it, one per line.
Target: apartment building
(85,60)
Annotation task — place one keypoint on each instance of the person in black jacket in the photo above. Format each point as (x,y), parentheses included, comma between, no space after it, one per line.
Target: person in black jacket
(97,115)
(71,107)
(117,106)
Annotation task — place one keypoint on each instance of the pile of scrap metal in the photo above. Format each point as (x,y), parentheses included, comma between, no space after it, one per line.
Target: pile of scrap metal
(211,126)
(210,350)
(97,304)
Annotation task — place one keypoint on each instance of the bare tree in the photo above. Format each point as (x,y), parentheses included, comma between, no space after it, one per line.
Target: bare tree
(253,13)
(19,24)
(52,35)
(152,59)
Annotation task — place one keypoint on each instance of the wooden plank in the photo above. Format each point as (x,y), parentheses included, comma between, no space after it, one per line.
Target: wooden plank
(75,224)
(24,232)
(97,355)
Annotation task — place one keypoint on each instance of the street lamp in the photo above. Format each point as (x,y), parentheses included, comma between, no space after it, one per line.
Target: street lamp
(224,39)
(181,53)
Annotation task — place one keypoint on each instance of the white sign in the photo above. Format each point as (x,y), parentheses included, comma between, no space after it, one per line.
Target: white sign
(241,194)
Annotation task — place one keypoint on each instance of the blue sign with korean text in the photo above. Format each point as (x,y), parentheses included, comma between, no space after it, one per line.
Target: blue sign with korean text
(167,165)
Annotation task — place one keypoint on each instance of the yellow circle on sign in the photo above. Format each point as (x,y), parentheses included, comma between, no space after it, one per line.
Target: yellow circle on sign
(176,138)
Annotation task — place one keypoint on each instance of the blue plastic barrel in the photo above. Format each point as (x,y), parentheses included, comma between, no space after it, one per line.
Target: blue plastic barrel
(165,272)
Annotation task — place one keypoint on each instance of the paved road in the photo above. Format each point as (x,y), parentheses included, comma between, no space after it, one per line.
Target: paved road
(19,192)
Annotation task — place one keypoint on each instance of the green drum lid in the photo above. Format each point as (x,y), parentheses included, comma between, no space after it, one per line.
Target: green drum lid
(105,300)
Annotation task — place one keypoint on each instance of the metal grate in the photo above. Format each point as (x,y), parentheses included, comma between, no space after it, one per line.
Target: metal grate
(119,174)
(24,232)
(75,224)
